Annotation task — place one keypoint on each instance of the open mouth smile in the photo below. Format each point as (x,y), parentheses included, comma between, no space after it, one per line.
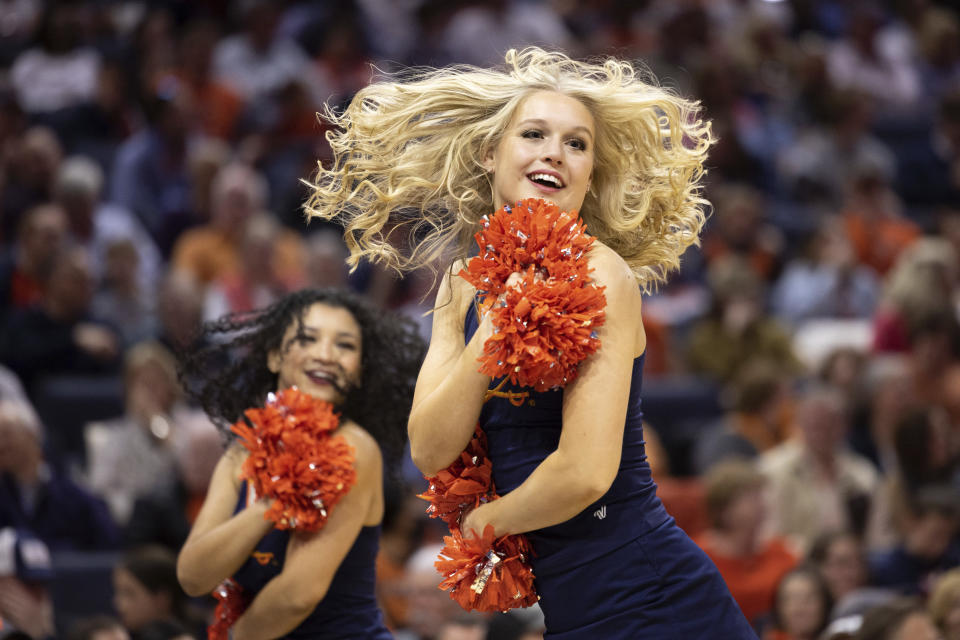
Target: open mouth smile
(546,181)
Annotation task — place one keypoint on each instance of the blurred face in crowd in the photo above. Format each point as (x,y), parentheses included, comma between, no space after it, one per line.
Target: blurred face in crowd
(113,633)
(801,606)
(929,535)
(547,151)
(951,621)
(180,306)
(746,513)
(916,626)
(70,285)
(19,444)
(136,605)
(822,421)
(43,234)
(322,355)
(843,567)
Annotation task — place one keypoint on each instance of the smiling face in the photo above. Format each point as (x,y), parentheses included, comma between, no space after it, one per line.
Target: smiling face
(321,356)
(547,151)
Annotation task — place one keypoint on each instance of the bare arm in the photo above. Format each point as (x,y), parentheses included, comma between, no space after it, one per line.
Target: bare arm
(313,558)
(450,389)
(587,458)
(221,541)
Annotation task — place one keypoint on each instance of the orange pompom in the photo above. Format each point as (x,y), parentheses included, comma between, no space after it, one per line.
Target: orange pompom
(295,460)
(547,324)
(487,574)
(231,603)
(464,485)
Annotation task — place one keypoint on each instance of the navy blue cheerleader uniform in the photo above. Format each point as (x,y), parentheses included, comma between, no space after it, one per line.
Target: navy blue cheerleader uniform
(349,611)
(621,569)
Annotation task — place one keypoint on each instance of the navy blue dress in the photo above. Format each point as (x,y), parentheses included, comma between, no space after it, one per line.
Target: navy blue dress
(349,610)
(621,569)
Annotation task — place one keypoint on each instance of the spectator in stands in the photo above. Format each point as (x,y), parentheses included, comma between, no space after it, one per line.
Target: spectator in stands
(257,61)
(751,564)
(327,259)
(802,606)
(480,33)
(206,158)
(816,168)
(42,234)
(929,171)
(179,308)
(164,516)
(944,604)
(120,300)
(404,526)
(222,105)
(100,627)
(213,251)
(25,573)
(901,619)
(146,591)
(825,281)
(921,286)
(256,280)
(940,56)
(149,175)
(838,555)
(429,608)
(739,228)
(929,546)
(36,496)
(137,453)
(60,335)
(864,61)
(99,225)
(873,218)
(922,455)
(885,402)
(30,171)
(816,483)
(737,330)
(60,72)
(758,419)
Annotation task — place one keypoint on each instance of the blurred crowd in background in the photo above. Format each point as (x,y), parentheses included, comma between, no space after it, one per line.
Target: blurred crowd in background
(802,385)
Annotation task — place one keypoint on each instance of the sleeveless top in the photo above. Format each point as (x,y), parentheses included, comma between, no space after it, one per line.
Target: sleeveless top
(348,610)
(523,427)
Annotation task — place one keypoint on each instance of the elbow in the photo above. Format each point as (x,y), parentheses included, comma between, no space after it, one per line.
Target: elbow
(191,581)
(424,455)
(303,600)
(590,483)
(424,461)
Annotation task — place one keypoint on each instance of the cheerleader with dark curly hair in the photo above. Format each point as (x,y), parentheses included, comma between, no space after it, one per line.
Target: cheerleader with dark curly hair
(337,348)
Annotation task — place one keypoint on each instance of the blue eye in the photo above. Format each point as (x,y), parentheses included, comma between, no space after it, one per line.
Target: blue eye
(532,134)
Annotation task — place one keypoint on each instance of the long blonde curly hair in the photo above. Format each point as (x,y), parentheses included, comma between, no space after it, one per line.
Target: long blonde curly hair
(407,181)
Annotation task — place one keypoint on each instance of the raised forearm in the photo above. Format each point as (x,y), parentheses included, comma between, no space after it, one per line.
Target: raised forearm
(442,423)
(207,560)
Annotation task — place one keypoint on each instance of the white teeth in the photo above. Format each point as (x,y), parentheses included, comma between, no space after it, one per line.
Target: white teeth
(320,374)
(547,178)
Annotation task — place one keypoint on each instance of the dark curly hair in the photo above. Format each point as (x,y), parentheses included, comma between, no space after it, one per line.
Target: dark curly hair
(226,372)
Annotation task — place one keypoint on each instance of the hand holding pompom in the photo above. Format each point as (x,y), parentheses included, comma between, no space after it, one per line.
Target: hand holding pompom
(533,278)
(295,460)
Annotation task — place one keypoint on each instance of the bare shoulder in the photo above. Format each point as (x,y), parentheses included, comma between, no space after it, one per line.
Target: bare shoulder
(612,271)
(366,450)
